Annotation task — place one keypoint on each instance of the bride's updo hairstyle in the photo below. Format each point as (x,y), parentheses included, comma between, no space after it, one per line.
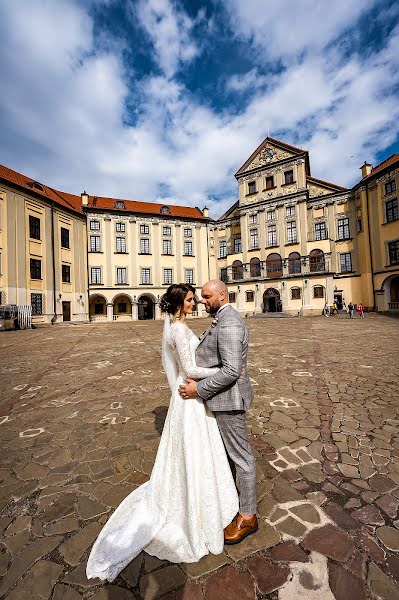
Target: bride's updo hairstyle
(173,299)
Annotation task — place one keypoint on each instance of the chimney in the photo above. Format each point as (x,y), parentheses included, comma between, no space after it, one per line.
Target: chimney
(205,212)
(366,169)
(85,198)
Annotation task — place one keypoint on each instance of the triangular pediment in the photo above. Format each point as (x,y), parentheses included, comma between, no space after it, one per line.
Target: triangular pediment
(268,152)
(318,187)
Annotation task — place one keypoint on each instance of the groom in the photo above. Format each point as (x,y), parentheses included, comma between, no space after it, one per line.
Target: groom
(228,394)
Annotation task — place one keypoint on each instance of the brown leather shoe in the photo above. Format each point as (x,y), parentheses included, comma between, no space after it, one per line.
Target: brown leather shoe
(239,529)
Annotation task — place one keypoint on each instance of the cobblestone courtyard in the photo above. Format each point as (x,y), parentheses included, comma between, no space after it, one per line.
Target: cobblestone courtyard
(82,409)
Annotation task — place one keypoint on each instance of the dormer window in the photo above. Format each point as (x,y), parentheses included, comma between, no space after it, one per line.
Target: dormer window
(119,204)
(165,210)
(36,185)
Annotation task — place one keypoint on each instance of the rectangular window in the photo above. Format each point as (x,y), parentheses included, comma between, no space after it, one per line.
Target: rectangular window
(144,229)
(289,177)
(393,248)
(36,301)
(272,235)
(166,231)
(271,215)
(65,237)
(237,245)
(249,296)
(345,260)
(121,245)
(253,239)
(318,291)
(95,275)
(120,227)
(343,229)
(289,211)
(187,232)
(94,243)
(223,275)
(320,231)
(232,297)
(291,232)
(66,273)
(34,228)
(391,210)
(94,225)
(146,275)
(167,276)
(253,219)
(190,276)
(222,249)
(35,268)
(295,293)
(390,187)
(167,247)
(121,275)
(188,248)
(251,187)
(269,182)
(144,246)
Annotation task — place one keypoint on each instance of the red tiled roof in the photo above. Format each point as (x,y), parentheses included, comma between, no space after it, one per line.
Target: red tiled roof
(328,183)
(384,165)
(74,203)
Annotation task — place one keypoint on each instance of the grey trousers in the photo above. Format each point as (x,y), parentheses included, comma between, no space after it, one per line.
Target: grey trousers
(234,434)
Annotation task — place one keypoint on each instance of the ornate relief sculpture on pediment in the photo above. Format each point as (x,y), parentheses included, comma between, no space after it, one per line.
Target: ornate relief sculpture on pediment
(317,190)
(268,154)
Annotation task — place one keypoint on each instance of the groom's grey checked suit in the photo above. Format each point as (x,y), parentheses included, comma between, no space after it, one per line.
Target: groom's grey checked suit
(229,394)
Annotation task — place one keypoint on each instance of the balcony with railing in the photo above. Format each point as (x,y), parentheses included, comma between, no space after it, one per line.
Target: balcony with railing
(277,268)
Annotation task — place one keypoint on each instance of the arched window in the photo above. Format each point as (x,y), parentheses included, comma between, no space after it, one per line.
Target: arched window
(254,267)
(238,270)
(316,261)
(294,263)
(274,265)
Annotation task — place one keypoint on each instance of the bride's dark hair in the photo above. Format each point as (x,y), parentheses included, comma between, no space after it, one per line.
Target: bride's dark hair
(173,298)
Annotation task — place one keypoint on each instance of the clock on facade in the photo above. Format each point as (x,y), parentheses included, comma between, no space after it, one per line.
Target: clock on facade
(267,154)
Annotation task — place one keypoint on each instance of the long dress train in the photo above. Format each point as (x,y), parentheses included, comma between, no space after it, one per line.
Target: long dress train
(180,513)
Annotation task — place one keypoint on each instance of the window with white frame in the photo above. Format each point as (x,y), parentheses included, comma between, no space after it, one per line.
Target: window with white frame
(144,246)
(272,235)
(121,275)
(289,211)
(144,229)
(291,232)
(271,215)
(253,219)
(320,231)
(232,297)
(393,252)
(318,291)
(390,187)
(145,275)
(121,245)
(249,296)
(343,229)
(187,232)
(237,245)
(65,241)
(94,225)
(295,293)
(66,273)
(34,227)
(95,274)
(167,247)
(95,243)
(166,230)
(345,260)
(222,248)
(188,249)
(391,210)
(253,239)
(35,268)
(120,227)
(190,276)
(167,276)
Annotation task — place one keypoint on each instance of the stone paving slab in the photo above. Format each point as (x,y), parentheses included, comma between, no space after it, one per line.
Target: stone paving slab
(82,411)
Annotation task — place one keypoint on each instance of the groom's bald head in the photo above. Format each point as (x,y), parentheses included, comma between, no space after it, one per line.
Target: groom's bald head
(214,295)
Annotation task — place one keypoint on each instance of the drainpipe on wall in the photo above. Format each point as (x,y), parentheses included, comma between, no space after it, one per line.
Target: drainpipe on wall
(370,247)
(53,320)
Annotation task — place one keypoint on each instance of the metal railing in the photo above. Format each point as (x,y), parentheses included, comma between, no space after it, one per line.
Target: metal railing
(277,269)
(393,305)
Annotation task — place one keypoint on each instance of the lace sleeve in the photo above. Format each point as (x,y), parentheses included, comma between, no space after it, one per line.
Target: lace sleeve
(180,341)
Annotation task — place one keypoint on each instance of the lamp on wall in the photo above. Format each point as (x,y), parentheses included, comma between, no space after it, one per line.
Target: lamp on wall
(257,286)
(283,284)
(305,281)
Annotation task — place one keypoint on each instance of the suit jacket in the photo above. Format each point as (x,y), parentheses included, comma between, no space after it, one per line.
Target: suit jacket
(225,345)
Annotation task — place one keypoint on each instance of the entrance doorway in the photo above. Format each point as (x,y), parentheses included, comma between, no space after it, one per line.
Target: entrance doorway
(145,308)
(271,301)
(338,300)
(394,289)
(66,311)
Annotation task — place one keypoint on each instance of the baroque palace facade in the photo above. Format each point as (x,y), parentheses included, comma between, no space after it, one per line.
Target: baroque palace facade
(290,243)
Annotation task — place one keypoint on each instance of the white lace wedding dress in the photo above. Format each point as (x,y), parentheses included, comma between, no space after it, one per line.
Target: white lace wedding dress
(180,513)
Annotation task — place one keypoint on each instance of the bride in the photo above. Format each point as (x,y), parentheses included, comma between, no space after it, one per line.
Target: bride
(180,513)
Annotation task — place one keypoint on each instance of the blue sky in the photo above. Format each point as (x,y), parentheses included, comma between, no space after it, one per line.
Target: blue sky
(164,100)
